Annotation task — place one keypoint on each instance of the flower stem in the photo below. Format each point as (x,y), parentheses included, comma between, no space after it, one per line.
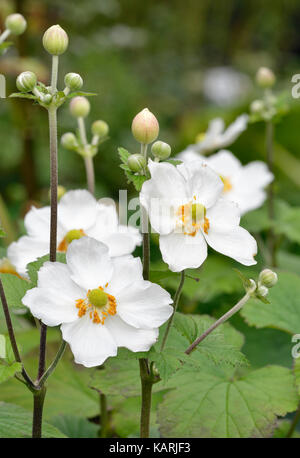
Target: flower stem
(270,161)
(176,301)
(294,423)
(4,35)
(53,365)
(12,337)
(146,383)
(38,404)
(221,320)
(54,74)
(104,415)
(88,160)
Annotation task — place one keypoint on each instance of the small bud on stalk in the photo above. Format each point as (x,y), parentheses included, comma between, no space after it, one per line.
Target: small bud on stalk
(55,40)
(161,150)
(262,291)
(268,278)
(26,81)
(73,81)
(79,107)
(136,162)
(145,127)
(265,78)
(16,24)
(257,106)
(100,128)
(69,141)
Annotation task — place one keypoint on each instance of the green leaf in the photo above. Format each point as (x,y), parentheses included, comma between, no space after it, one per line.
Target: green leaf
(287,221)
(2,346)
(75,427)
(2,233)
(209,402)
(123,154)
(4,46)
(137,180)
(282,430)
(23,95)
(257,220)
(80,93)
(8,371)
(17,422)
(283,311)
(297,373)
(34,267)
(15,289)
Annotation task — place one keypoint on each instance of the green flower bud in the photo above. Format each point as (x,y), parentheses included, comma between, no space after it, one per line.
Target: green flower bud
(26,81)
(268,278)
(73,81)
(100,128)
(136,162)
(55,40)
(69,141)
(161,150)
(47,98)
(79,107)
(257,106)
(265,78)
(262,291)
(16,24)
(145,127)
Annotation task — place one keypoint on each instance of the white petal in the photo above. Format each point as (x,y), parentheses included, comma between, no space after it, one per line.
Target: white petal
(203,182)
(123,242)
(37,222)
(234,242)
(126,270)
(182,251)
(169,183)
(144,305)
(130,337)
(223,215)
(89,263)
(212,136)
(91,343)
(254,175)
(234,130)
(77,210)
(224,163)
(27,249)
(189,154)
(161,210)
(106,221)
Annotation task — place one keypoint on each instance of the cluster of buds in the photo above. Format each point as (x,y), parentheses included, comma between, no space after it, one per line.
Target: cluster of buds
(145,129)
(266,280)
(79,109)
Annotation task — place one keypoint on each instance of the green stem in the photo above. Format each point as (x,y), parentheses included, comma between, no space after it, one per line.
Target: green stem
(4,35)
(88,160)
(38,404)
(221,320)
(53,365)
(176,301)
(104,416)
(54,74)
(294,423)
(146,384)
(270,161)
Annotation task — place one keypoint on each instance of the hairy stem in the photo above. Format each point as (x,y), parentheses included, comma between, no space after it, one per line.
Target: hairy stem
(12,336)
(146,384)
(88,160)
(221,320)
(270,161)
(38,404)
(54,74)
(53,365)
(176,301)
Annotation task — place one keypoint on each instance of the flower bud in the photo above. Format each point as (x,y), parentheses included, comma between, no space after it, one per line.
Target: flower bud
(73,81)
(55,40)
(79,107)
(161,150)
(265,78)
(47,98)
(136,162)
(100,128)
(69,141)
(257,106)
(26,81)
(16,24)
(145,127)
(268,278)
(61,190)
(262,291)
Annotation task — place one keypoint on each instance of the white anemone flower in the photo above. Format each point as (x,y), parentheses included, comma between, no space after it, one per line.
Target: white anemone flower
(101,303)
(79,214)
(243,184)
(215,137)
(185,207)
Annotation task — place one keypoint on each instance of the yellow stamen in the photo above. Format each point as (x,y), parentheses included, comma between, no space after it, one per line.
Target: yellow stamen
(98,304)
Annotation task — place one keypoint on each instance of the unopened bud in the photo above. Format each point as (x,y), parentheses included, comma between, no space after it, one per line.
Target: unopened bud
(100,128)
(265,78)
(79,107)
(257,106)
(16,24)
(268,278)
(47,98)
(26,81)
(145,127)
(262,291)
(161,150)
(61,190)
(73,81)
(55,40)
(136,162)
(69,141)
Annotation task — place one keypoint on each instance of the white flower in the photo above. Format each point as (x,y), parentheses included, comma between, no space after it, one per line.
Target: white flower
(185,208)
(216,137)
(243,185)
(79,214)
(101,303)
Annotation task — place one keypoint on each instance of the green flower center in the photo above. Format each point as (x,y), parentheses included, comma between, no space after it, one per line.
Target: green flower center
(198,213)
(74,234)
(97,298)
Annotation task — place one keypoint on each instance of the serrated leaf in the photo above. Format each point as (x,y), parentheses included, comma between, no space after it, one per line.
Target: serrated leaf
(81,94)
(75,427)
(15,289)
(23,95)
(283,311)
(211,403)
(123,154)
(136,180)
(17,422)
(34,267)
(9,370)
